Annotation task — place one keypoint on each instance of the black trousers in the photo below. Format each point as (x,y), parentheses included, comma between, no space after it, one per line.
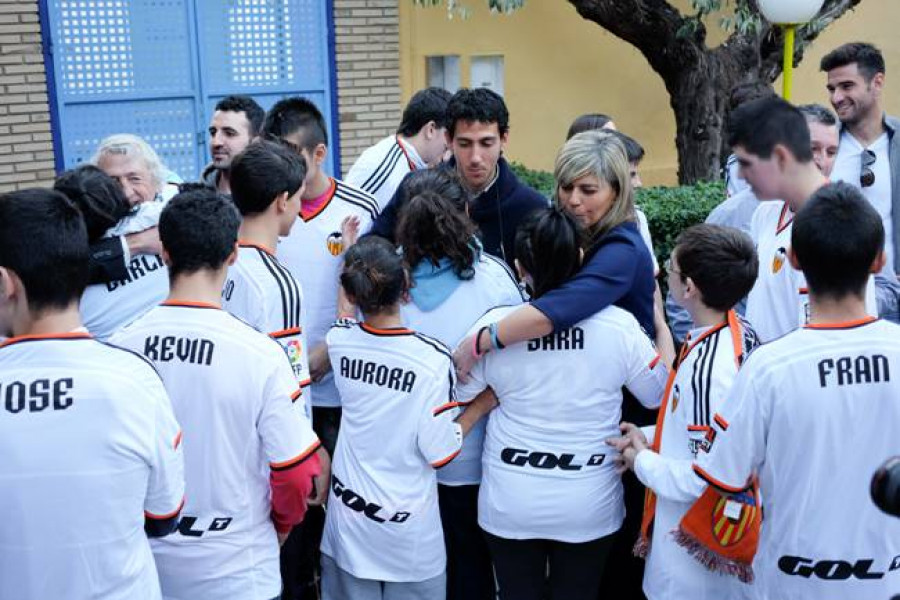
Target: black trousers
(529,569)
(469,572)
(300,553)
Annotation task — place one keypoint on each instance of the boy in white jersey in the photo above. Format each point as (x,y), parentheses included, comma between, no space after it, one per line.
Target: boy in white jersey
(711,269)
(383,537)
(551,500)
(313,253)
(420,143)
(267,181)
(796,404)
(107,306)
(771,141)
(91,452)
(251,452)
(266,185)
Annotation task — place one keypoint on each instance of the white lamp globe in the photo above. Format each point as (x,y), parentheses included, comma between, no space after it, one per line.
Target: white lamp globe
(786,12)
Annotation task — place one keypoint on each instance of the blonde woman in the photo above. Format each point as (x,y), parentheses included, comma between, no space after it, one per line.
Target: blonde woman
(594,186)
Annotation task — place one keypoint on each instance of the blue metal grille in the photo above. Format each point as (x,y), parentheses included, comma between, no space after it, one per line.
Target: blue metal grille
(157,67)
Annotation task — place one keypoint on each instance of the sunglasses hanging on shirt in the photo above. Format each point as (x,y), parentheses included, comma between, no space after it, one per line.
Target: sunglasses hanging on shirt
(866,174)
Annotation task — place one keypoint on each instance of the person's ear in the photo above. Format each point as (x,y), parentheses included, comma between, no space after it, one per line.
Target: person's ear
(781,155)
(879,262)
(877,82)
(793,260)
(320,153)
(519,270)
(167,260)
(232,258)
(281,202)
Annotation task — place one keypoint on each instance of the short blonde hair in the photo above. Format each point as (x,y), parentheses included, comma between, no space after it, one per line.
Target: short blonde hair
(136,147)
(601,154)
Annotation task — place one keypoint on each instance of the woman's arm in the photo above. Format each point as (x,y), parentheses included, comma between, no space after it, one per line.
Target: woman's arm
(603,280)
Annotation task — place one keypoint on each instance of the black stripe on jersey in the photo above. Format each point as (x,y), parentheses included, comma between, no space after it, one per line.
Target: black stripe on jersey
(357,198)
(146,360)
(697,377)
(436,344)
(704,406)
(290,291)
(506,268)
(383,170)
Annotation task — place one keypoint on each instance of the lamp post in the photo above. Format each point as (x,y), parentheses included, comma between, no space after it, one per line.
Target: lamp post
(789,14)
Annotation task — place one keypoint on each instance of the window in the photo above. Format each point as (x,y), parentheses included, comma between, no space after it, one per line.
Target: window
(487,71)
(443,72)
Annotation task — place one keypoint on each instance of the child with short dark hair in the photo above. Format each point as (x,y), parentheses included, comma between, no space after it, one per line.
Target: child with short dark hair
(710,270)
(383,536)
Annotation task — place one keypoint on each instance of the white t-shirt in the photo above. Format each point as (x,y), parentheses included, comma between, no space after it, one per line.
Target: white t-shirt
(380,168)
(90,446)
(644,228)
(397,427)
(232,389)
(779,300)
(313,253)
(105,307)
(847,167)
(814,414)
(493,285)
(262,292)
(700,387)
(548,472)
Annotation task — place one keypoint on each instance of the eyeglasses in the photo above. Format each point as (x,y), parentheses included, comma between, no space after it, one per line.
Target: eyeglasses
(866,174)
(667,265)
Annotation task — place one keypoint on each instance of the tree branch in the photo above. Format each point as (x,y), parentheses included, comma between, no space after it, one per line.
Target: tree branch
(651,26)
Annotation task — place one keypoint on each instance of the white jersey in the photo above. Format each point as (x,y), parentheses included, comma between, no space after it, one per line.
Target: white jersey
(814,414)
(380,168)
(105,307)
(262,292)
(493,285)
(699,388)
(90,448)
(548,472)
(232,389)
(313,253)
(779,300)
(397,426)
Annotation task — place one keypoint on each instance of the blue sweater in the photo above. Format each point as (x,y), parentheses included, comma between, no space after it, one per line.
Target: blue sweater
(618,270)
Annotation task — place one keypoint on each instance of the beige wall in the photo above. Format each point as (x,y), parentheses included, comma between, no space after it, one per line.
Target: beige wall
(557,66)
(26,148)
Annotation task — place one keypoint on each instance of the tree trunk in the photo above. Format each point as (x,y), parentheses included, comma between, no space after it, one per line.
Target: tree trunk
(698,101)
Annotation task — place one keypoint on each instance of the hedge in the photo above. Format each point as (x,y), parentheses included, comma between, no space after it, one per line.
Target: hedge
(669,210)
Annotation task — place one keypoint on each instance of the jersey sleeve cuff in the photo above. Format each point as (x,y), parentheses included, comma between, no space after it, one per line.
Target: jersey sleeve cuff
(293,462)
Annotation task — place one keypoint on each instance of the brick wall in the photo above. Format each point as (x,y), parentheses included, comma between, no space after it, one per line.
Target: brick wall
(26,148)
(367,39)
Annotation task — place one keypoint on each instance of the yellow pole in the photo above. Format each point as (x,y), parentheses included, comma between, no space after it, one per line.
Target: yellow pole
(788,67)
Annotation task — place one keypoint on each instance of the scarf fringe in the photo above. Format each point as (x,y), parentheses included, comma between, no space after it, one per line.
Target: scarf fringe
(711,560)
(641,547)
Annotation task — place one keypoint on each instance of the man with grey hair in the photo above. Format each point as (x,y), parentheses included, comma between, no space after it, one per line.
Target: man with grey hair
(147,184)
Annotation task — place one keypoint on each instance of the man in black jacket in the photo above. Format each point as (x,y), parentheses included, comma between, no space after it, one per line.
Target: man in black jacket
(477,134)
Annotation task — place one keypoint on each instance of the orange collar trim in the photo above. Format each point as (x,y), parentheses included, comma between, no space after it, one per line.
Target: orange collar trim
(72,335)
(331,190)
(190,304)
(246,244)
(392,331)
(844,325)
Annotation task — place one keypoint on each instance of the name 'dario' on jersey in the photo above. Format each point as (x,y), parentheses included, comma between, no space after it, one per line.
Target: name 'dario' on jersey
(375,374)
(567,339)
(850,371)
(196,351)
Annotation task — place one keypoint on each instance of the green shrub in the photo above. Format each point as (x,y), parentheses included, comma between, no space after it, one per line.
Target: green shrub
(669,210)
